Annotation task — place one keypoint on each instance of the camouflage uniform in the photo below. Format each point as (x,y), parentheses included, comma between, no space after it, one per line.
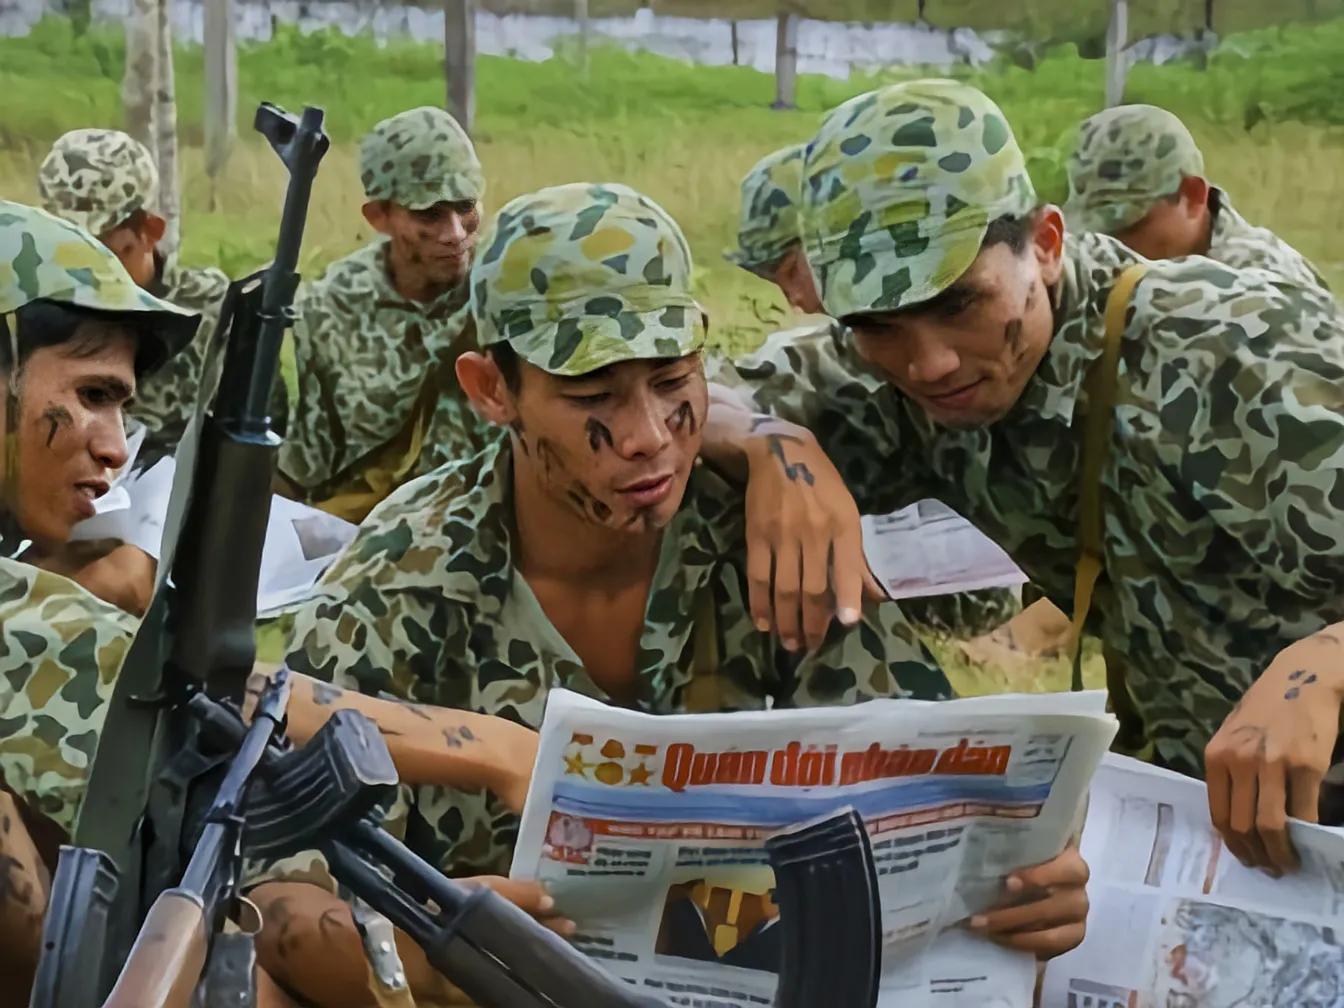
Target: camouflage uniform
(1222,493)
(767,229)
(98,178)
(364,351)
(60,647)
(1130,157)
(426,604)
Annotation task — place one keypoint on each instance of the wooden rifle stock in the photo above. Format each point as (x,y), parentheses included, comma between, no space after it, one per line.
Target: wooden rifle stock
(168,957)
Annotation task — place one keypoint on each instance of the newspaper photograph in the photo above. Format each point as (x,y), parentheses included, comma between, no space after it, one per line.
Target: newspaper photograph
(929,549)
(648,831)
(1176,920)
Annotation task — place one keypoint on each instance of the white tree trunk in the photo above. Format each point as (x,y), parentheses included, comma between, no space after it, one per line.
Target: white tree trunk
(137,84)
(221,89)
(1117,34)
(165,131)
(459,49)
(786,60)
(581,16)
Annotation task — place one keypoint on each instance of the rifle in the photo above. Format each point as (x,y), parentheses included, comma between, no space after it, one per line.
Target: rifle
(181,789)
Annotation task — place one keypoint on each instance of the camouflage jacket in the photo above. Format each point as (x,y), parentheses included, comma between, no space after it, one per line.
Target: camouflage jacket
(1224,487)
(60,651)
(166,399)
(425,605)
(363,352)
(1238,243)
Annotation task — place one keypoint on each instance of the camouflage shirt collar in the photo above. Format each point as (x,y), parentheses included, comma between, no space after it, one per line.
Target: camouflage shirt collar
(1091,264)
(481,573)
(1227,223)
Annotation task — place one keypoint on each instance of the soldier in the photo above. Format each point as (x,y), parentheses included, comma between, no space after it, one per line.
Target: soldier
(1217,481)
(75,333)
(378,333)
(587,550)
(771,247)
(105,182)
(1138,176)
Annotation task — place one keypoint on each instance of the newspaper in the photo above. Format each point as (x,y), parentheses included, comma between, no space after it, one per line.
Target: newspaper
(929,549)
(1176,920)
(648,832)
(301,541)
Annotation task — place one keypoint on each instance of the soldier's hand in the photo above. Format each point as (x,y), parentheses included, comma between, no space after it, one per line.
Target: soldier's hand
(1267,760)
(529,896)
(805,560)
(1046,908)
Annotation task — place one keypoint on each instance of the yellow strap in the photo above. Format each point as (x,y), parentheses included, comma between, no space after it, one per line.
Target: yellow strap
(354,493)
(1100,385)
(704,695)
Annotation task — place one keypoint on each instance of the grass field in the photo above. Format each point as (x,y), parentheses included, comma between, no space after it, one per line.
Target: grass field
(682,134)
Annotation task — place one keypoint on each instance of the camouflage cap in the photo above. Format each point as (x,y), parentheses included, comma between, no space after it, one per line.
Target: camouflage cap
(419,158)
(580,276)
(899,188)
(46,258)
(1127,158)
(769,215)
(97,178)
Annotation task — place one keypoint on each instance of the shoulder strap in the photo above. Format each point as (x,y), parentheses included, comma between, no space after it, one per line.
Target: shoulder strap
(704,693)
(1100,385)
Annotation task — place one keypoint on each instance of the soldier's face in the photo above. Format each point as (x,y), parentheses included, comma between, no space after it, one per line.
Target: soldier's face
(437,242)
(134,244)
(966,356)
(794,278)
(614,447)
(70,437)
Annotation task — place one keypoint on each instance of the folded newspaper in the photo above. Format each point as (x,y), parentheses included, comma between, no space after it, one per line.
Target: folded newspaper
(1176,920)
(929,549)
(649,830)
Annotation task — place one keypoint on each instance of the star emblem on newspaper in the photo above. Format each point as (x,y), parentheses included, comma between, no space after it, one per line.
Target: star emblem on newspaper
(575,765)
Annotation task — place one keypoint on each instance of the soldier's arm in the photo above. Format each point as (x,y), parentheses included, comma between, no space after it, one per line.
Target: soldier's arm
(308,456)
(807,433)
(434,746)
(24,889)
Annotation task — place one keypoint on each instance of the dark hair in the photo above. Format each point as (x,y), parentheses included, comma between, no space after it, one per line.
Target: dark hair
(80,332)
(1014,232)
(506,359)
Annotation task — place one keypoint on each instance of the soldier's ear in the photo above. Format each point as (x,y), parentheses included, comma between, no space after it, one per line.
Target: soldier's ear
(484,386)
(153,228)
(1047,242)
(375,212)
(1194,193)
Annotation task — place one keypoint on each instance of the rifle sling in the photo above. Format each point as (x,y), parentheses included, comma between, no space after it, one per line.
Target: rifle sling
(1100,384)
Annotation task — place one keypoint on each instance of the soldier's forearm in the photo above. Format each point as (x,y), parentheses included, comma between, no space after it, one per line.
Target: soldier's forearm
(309,943)
(433,746)
(735,433)
(24,891)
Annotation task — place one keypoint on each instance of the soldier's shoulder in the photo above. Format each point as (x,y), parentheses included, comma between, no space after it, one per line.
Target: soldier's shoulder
(359,273)
(49,617)
(1197,303)
(197,287)
(448,524)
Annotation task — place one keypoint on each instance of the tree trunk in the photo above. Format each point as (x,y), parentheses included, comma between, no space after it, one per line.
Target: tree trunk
(1208,15)
(221,89)
(732,27)
(786,61)
(165,132)
(581,16)
(1116,36)
(459,48)
(137,84)
(919,11)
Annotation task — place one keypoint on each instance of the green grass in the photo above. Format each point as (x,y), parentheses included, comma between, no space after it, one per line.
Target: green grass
(683,134)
